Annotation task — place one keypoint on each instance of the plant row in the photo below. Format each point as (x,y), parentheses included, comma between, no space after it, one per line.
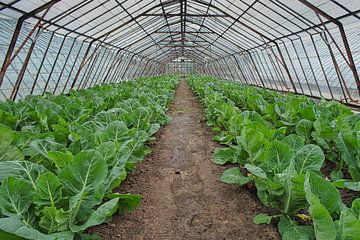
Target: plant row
(328,124)
(61,157)
(278,142)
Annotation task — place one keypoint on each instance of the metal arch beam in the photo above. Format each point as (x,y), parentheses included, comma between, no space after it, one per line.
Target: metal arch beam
(168,15)
(146,45)
(313,27)
(218,34)
(176,51)
(125,37)
(178,54)
(49,22)
(189,53)
(166,37)
(7,59)
(167,21)
(105,35)
(195,49)
(343,36)
(170,2)
(260,34)
(207,41)
(249,7)
(135,20)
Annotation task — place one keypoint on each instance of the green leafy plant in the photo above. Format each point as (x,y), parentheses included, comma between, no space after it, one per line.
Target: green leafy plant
(280,143)
(63,156)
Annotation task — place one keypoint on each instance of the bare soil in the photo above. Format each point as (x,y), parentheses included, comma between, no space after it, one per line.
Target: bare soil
(183,197)
(347,195)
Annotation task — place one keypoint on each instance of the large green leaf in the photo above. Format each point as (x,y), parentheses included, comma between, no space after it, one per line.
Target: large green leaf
(107,150)
(348,225)
(98,216)
(289,230)
(325,129)
(7,135)
(347,146)
(277,156)
(54,220)
(127,201)
(48,190)
(117,171)
(327,194)
(355,207)
(226,155)
(294,141)
(304,128)
(323,224)
(252,142)
(8,152)
(86,171)
(15,197)
(21,169)
(115,131)
(255,170)
(43,146)
(234,176)
(60,159)
(18,228)
(309,157)
(83,178)
(293,199)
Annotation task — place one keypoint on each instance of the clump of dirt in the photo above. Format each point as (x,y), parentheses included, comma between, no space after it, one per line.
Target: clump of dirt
(183,197)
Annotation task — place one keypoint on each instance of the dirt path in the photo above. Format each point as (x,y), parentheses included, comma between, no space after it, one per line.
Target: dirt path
(182,195)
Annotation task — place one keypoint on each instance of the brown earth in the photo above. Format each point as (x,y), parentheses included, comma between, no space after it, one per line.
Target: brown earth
(183,197)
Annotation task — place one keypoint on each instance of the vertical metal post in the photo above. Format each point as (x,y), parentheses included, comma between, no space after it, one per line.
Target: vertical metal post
(285,67)
(81,65)
(343,36)
(112,65)
(64,66)
(256,69)
(53,66)
(42,63)
(21,73)
(73,67)
(21,20)
(127,67)
(240,70)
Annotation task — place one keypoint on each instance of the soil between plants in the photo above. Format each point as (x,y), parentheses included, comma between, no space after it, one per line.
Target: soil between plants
(183,197)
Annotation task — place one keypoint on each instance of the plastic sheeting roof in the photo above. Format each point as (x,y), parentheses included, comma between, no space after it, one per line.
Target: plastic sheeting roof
(154,28)
(210,31)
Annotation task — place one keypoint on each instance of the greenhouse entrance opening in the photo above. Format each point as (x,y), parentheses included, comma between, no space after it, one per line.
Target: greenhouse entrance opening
(181,65)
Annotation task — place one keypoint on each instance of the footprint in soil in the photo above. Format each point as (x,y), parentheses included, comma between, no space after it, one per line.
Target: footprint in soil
(200,222)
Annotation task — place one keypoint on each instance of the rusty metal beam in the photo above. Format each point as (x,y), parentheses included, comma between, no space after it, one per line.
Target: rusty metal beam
(21,20)
(343,36)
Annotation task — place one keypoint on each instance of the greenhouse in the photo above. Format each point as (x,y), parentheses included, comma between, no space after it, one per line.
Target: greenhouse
(179,119)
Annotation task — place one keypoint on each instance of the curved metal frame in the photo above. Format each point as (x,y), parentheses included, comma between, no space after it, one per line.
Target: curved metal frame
(266,43)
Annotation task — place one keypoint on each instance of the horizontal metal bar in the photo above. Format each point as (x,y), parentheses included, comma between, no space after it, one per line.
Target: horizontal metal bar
(177,32)
(183,46)
(178,15)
